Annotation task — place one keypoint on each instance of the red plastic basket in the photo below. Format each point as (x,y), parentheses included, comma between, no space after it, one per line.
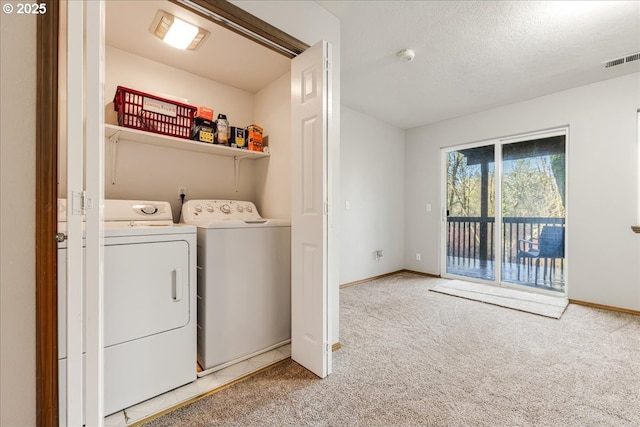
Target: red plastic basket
(140,110)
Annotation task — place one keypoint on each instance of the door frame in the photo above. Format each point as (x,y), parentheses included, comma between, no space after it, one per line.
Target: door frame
(46,265)
(498,143)
(46,215)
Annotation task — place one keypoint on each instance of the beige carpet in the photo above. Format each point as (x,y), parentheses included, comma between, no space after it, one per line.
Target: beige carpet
(544,305)
(414,358)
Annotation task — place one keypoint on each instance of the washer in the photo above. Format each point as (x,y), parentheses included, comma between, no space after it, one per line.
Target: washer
(149,303)
(244,281)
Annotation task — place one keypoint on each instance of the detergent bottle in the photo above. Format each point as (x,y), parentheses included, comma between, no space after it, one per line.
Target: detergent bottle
(222,125)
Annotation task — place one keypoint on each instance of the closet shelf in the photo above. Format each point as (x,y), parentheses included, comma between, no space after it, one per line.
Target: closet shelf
(118,132)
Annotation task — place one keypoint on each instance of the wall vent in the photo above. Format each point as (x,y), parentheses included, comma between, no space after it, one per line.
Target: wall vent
(623,60)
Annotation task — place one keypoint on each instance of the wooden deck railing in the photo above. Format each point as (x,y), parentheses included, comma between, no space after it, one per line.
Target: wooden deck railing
(473,237)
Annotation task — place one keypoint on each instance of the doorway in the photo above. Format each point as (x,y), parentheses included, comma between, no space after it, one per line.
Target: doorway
(47,357)
(505,204)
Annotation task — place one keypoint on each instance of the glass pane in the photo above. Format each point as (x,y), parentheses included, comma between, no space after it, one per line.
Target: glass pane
(470,212)
(533,210)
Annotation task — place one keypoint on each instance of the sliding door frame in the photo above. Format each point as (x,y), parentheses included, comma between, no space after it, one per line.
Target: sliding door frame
(498,243)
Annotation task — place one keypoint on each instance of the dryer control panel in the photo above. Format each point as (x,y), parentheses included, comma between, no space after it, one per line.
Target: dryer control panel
(219,210)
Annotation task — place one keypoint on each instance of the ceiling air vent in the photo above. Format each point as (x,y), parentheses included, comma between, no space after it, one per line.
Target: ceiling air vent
(622,60)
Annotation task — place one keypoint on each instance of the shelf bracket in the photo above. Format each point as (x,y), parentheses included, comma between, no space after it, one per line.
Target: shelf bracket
(115,137)
(113,151)
(236,171)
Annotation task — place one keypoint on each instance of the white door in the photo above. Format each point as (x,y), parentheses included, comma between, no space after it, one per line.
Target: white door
(85,194)
(309,205)
(74,394)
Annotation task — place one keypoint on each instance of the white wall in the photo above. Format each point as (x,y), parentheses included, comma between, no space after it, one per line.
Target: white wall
(602,180)
(17,220)
(272,111)
(155,173)
(309,22)
(372,180)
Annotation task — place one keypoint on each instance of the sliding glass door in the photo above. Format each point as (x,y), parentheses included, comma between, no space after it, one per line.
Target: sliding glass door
(505,211)
(533,212)
(470,208)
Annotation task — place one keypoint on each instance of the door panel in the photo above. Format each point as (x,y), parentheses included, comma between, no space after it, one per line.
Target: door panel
(533,212)
(146,290)
(75,185)
(470,219)
(309,297)
(131,288)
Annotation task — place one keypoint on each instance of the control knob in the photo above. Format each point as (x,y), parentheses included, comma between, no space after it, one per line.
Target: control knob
(225,209)
(148,209)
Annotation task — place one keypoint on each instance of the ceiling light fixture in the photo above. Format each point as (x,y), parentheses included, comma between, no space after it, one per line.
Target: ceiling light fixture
(407,55)
(176,32)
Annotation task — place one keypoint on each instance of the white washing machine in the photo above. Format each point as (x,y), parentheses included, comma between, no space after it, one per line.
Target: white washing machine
(149,303)
(244,281)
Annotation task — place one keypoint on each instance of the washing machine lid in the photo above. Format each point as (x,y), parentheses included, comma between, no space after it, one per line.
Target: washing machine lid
(226,214)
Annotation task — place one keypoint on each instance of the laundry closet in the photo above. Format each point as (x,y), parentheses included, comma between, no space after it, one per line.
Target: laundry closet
(249,84)
(228,73)
(243,274)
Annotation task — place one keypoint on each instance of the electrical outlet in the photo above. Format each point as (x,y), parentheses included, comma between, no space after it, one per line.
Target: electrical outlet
(181,191)
(418,257)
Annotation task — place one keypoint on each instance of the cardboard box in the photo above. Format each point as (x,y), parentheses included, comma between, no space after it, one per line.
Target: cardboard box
(203,130)
(237,137)
(254,138)
(204,113)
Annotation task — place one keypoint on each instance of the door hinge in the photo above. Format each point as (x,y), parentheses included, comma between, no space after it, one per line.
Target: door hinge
(325,208)
(327,64)
(81,202)
(327,347)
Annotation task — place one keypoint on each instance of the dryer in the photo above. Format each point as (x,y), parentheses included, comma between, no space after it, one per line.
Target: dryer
(244,281)
(149,303)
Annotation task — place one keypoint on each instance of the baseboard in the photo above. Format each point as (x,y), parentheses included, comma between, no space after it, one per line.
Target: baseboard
(604,307)
(419,273)
(393,273)
(359,282)
(336,346)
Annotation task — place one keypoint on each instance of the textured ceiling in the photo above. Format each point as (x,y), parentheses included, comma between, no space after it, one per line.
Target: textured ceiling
(470,55)
(475,55)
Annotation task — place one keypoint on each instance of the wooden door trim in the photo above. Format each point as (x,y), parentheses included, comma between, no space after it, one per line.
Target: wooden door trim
(46,216)
(237,20)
